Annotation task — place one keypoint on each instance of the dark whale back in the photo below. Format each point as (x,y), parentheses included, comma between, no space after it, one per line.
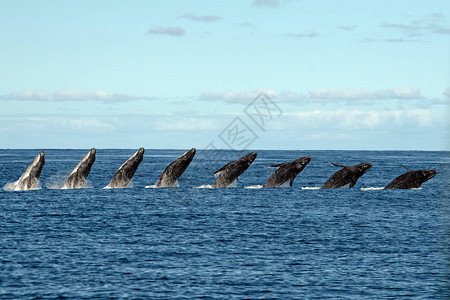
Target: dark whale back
(231,171)
(123,175)
(411,179)
(286,172)
(347,175)
(175,169)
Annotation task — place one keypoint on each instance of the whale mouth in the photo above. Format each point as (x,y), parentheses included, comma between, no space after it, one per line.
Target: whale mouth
(251,157)
(190,153)
(431,174)
(367,166)
(307,159)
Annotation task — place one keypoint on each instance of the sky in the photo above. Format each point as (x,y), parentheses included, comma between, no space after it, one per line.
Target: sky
(248,74)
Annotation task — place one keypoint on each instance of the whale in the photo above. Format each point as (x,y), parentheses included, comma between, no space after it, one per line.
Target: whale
(77,177)
(231,171)
(286,172)
(122,177)
(348,174)
(169,177)
(411,179)
(30,178)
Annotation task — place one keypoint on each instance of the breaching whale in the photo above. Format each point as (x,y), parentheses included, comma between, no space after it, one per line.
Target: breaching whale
(123,175)
(286,172)
(175,169)
(231,171)
(349,174)
(30,178)
(79,174)
(411,179)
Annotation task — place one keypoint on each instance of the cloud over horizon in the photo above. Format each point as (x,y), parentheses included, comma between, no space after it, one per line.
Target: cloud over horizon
(172,31)
(402,93)
(316,96)
(73,95)
(309,34)
(248,96)
(267,3)
(430,24)
(194,17)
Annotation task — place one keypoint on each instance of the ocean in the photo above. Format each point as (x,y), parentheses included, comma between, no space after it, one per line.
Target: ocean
(231,243)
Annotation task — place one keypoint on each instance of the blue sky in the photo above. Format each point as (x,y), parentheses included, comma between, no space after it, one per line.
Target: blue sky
(177,74)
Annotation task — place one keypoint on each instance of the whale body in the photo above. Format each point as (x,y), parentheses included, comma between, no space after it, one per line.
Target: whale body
(348,174)
(411,179)
(122,177)
(231,171)
(175,169)
(286,172)
(30,178)
(77,177)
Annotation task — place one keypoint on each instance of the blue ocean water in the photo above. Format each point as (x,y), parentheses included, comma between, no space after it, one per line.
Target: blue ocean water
(190,242)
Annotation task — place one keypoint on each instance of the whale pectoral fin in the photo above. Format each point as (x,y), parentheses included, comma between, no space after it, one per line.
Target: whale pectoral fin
(411,170)
(352,182)
(291,181)
(223,168)
(277,166)
(339,166)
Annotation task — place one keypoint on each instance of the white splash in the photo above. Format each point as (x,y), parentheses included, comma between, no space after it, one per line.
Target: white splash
(56,182)
(311,188)
(13,186)
(254,187)
(205,186)
(175,185)
(129,186)
(372,188)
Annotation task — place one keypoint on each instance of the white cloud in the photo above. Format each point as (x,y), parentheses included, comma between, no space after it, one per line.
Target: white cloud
(194,17)
(72,95)
(348,96)
(83,123)
(403,93)
(245,24)
(172,31)
(348,27)
(447,94)
(247,96)
(267,3)
(185,124)
(431,24)
(309,34)
(358,119)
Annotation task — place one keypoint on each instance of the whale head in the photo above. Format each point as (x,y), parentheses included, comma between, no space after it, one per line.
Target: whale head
(425,175)
(189,155)
(248,159)
(38,163)
(363,167)
(301,163)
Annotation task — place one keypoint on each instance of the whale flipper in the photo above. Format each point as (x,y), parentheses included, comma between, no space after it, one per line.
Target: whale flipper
(278,165)
(404,166)
(223,168)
